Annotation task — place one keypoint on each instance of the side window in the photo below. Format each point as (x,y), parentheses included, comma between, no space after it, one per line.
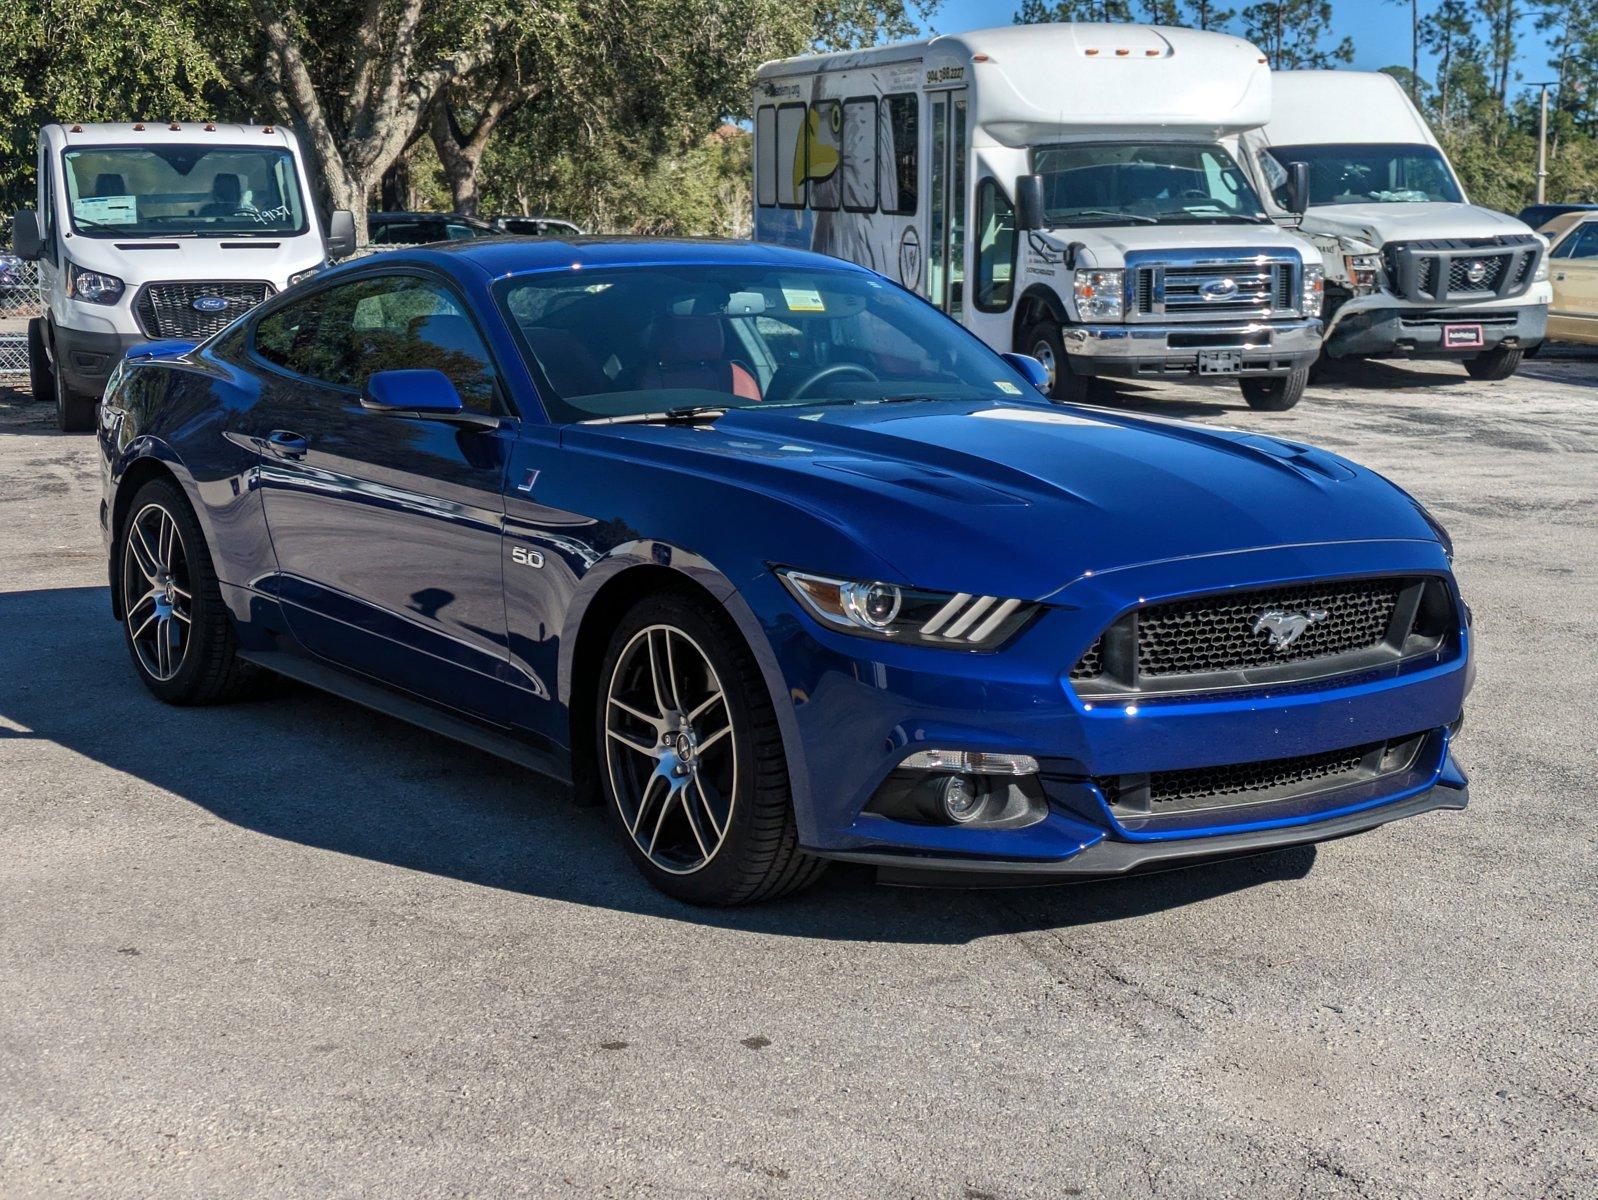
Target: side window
(995,247)
(766,156)
(791,156)
(1582,242)
(285,337)
(899,134)
(860,154)
(824,152)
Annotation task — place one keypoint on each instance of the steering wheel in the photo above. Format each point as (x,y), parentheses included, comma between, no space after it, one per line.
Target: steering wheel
(817,376)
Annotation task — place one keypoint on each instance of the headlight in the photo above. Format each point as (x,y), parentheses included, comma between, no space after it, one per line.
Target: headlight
(1364,272)
(92,287)
(903,614)
(1542,270)
(1098,294)
(1314,289)
(306,274)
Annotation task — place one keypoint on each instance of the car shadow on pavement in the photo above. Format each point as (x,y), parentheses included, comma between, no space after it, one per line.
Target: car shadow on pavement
(314,770)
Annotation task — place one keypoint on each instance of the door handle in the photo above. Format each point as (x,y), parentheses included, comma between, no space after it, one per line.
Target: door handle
(1560,276)
(286,445)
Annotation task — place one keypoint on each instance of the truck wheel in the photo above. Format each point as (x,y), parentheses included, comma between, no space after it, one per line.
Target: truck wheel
(41,378)
(1276,394)
(1495,364)
(73,413)
(1043,342)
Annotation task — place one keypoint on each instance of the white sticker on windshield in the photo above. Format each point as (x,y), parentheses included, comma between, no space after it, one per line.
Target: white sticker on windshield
(802,299)
(107,210)
(1008,388)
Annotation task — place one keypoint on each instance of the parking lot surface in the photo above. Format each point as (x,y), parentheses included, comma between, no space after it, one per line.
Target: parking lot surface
(290,947)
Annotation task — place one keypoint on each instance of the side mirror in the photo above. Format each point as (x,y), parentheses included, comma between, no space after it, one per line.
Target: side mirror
(1298,188)
(420,392)
(1029,202)
(340,233)
(27,239)
(1035,372)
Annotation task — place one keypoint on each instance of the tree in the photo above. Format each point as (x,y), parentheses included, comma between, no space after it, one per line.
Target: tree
(1449,33)
(1203,14)
(1037,12)
(1293,34)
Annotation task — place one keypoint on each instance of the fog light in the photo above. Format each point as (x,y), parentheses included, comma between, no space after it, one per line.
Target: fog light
(962,798)
(971,762)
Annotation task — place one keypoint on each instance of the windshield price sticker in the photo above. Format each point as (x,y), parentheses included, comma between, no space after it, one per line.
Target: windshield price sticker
(802,299)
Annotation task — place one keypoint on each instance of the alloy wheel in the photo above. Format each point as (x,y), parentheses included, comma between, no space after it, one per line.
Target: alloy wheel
(157,593)
(670,749)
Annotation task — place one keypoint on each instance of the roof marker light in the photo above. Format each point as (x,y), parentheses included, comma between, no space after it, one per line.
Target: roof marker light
(210,127)
(138,127)
(267,129)
(1091,52)
(1151,54)
(1122,52)
(980,58)
(175,127)
(76,129)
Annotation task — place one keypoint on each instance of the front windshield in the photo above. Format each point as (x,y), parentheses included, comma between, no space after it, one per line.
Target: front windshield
(129,191)
(1119,183)
(1364,173)
(652,340)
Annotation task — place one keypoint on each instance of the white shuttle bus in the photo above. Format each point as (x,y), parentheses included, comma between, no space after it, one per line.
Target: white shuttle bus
(149,230)
(1413,269)
(1064,191)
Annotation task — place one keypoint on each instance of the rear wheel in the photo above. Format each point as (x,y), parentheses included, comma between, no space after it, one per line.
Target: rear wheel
(41,378)
(1275,394)
(73,413)
(1495,364)
(1044,343)
(691,759)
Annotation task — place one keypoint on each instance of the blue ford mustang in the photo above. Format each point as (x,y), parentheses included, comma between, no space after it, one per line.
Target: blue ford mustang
(781,565)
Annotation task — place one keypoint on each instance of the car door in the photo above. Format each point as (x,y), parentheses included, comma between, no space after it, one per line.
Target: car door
(386,528)
(1573,266)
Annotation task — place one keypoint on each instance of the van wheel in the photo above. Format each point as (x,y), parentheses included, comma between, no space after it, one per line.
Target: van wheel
(691,760)
(1276,394)
(1044,343)
(1495,364)
(73,413)
(41,378)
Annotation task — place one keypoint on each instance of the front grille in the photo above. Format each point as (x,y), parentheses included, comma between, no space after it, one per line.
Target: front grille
(1169,793)
(1461,268)
(1249,286)
(167,310)
(1266,635)
(1477,274)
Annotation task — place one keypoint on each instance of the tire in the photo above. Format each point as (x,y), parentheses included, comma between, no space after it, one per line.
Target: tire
(207,668)
(689,838)
(1275,394)
(1044,343)
(73,413)
(1495,364)
(41,376)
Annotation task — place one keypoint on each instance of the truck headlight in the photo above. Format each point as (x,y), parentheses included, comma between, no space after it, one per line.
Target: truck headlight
(1364,273)
(1099,294)
(902,614)
(92,287)
(1542,270)
(1314,289)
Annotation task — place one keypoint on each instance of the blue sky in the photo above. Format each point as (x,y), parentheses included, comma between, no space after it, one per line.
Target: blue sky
(1380,29)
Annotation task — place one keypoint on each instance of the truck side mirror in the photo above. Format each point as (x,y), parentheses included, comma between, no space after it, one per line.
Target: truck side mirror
(1028,202)
(1297,188)
(340,233)
(27,239)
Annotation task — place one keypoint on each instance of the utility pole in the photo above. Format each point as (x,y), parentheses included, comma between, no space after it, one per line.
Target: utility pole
(1542,138)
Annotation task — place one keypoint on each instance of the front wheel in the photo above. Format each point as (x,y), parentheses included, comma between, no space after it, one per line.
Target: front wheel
(1044,343)
(1495,364)
(1275,394)
(691,760)
(73,413)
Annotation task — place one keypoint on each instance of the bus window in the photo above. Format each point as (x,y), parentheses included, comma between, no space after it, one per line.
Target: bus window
(790,144)
(766,156)
(995,247)
(900,129)
(824,148)
(860,154)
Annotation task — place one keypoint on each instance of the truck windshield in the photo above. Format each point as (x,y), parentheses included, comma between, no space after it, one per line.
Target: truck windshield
(1370,173)
(1118,183)
(128,191)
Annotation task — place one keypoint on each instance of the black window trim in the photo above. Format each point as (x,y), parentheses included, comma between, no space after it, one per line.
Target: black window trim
(876,157)
(800,188)
(502,398)
(976,247)
(915,98)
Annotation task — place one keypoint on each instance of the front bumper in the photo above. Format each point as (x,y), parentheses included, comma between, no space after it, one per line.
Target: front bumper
(1418,332)
(1134,350)
(86,358)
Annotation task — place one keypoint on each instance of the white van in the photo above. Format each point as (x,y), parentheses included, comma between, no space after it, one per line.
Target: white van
(1112,232)
(1412,268)
(154,230)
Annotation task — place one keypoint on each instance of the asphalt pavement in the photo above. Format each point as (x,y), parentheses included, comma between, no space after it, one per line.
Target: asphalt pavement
(292,948)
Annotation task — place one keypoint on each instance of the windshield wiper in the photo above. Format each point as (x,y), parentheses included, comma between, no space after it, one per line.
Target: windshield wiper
(1106,214)
(684,415)
(1177,218)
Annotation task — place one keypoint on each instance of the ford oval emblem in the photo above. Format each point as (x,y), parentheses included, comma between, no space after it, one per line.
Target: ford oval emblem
(1219,289)
(208,303)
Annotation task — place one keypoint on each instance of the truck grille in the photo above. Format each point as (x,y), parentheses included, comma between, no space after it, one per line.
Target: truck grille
(1259,285)
(1461,268)
(1265,635)
(167,310)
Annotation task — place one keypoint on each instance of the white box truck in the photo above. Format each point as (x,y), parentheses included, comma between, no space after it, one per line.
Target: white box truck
(1064,191)
(151,230)
(1413,269)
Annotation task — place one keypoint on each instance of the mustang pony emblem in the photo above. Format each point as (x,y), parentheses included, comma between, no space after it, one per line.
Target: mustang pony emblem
(1283,628)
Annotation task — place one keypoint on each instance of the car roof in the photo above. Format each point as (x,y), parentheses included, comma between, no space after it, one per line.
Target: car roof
(500,256)
(1558,225)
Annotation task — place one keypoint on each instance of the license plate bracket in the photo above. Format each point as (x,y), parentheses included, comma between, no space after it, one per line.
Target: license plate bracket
(1220,362)
(1462,337)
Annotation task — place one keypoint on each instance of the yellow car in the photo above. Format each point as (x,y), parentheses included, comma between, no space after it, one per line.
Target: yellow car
(1573,269)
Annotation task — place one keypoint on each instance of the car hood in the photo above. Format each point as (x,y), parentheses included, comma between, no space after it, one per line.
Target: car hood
(1019,498)
(1378,223)
(1108,245)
